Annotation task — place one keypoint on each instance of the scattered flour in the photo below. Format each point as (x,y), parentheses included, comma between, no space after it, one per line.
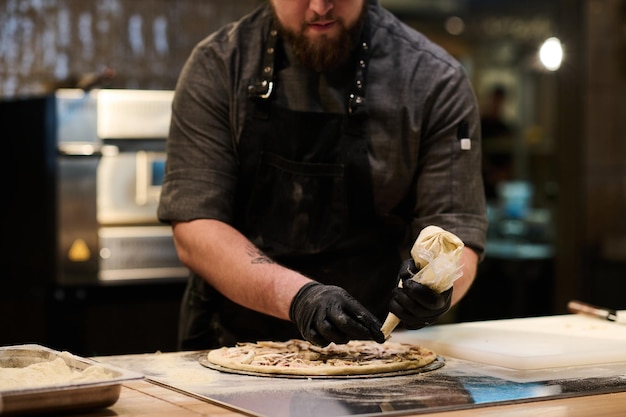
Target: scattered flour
(55,372)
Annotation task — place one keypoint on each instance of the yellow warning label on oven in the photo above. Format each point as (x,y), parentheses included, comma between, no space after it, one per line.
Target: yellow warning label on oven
(79,251)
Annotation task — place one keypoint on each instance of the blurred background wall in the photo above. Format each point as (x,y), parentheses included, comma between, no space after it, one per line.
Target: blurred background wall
(45,44)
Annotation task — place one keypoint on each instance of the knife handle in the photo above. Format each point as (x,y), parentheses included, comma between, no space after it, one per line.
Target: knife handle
(579,307)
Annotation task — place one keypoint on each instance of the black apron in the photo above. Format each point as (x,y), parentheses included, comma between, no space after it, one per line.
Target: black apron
(305,198)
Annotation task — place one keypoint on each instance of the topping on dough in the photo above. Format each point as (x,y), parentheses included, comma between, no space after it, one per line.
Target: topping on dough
(298,357)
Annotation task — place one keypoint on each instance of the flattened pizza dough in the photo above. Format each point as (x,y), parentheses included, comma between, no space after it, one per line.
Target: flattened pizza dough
(298,357)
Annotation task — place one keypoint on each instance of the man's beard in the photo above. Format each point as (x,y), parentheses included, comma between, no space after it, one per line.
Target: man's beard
(324,54)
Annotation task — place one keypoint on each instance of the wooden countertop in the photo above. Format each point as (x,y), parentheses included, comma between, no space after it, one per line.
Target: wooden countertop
(143,398)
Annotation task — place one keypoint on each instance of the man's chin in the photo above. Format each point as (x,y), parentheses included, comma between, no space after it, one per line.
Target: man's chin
(323,59)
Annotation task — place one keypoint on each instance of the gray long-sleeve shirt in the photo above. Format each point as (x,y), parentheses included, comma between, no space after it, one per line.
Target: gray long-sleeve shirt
(418,97)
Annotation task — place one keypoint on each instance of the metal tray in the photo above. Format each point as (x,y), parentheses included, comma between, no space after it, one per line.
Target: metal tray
(62,397)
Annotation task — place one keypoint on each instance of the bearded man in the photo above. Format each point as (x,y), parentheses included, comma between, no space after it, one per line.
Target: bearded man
(311,141)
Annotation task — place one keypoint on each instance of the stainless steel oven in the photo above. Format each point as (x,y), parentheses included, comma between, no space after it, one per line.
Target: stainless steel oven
(84,209)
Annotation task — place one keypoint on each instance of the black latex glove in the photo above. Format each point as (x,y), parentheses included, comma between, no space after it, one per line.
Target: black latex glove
(326,313)
(415,304)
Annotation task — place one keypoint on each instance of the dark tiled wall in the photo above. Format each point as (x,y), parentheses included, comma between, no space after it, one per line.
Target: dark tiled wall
(46,44)
(605,153)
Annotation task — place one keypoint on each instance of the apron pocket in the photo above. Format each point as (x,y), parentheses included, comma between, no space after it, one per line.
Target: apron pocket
(299,206)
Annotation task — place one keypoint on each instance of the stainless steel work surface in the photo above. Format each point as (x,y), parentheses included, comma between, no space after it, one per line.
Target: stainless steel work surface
(457,385)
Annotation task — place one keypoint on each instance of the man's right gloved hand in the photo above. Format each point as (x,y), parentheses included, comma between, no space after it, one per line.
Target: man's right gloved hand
(326,313)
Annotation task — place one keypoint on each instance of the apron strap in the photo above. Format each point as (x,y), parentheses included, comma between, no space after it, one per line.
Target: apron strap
(264,88)
(357,96)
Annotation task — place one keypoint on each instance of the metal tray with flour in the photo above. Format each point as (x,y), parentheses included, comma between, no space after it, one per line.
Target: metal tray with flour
(58,396)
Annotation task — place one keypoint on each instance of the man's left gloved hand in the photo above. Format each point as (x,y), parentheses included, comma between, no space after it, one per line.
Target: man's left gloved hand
(415,304)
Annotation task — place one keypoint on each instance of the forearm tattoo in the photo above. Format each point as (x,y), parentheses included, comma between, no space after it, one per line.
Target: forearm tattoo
(258,257)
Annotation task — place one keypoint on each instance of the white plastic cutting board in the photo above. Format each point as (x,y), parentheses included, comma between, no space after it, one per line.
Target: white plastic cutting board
(527,344)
